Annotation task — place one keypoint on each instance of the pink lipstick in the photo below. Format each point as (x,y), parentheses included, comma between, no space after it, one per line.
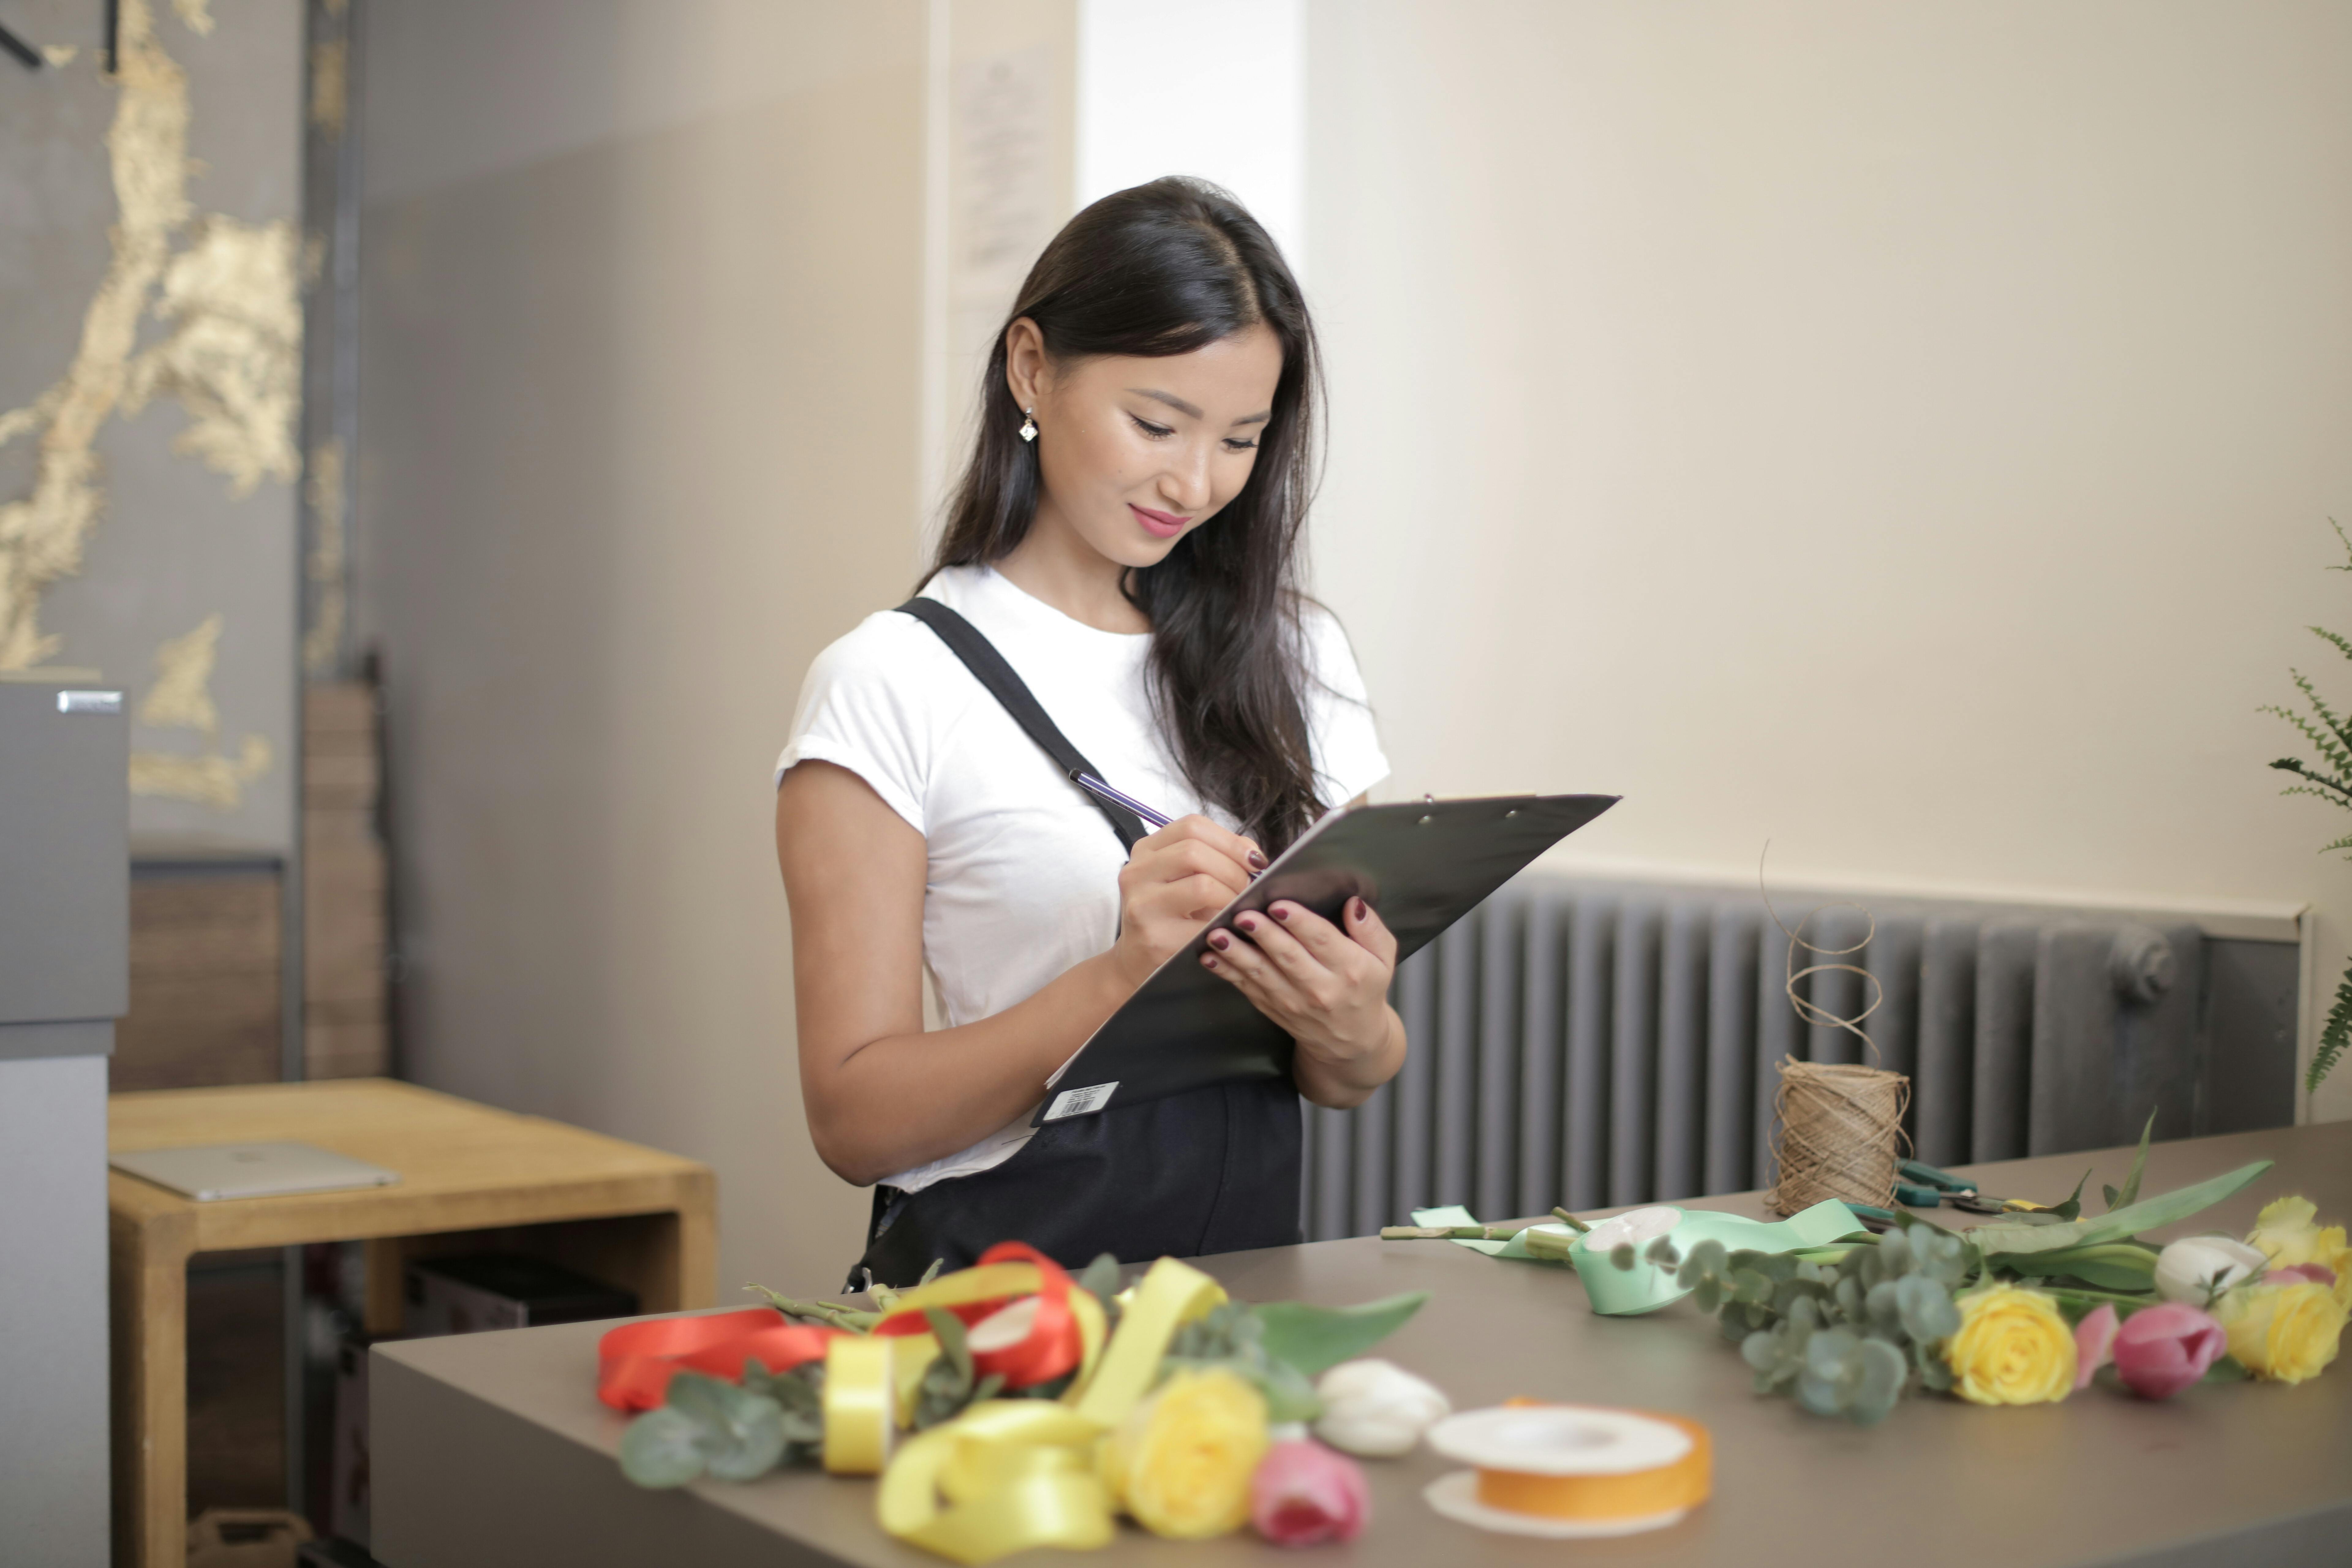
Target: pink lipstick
(1159,525)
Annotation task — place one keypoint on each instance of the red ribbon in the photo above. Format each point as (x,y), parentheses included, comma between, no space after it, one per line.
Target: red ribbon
(1052,1347)
(636,1361)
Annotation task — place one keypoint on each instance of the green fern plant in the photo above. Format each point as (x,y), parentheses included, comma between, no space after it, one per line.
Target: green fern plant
(2330,779)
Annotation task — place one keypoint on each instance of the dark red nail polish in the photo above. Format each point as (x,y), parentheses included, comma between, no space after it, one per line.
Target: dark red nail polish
(1257,862)
(1247,922)
(1356,910)
(1278,912)
(1207,962)
(1220,940)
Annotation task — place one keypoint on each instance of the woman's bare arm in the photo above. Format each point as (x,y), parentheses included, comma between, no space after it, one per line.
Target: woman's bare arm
(881,1093)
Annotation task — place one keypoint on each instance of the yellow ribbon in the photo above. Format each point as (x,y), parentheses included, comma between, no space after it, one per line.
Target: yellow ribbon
(1018,1473)
(909,1359)
(861,1406)
(1172,1295)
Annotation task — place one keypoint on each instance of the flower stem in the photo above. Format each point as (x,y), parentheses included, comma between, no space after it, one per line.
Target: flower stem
(1450,1232)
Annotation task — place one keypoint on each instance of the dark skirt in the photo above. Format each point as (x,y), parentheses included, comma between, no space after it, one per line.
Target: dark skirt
(1212,1170)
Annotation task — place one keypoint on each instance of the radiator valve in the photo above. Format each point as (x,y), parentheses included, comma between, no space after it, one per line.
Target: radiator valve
(2141,966)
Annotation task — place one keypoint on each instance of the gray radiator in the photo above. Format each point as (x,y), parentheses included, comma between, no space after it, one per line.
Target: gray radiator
(1589,1044)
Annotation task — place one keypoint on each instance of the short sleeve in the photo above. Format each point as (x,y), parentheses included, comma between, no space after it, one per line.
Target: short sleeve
(1348,756)
(863,708)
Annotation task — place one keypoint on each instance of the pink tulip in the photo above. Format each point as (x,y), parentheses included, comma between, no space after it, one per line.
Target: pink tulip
(2094,1340)
(1304,1494)
(2161,1350)
(2317,1273)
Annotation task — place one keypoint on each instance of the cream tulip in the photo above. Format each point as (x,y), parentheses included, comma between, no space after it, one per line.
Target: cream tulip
(1375,1408)
(2197,1271)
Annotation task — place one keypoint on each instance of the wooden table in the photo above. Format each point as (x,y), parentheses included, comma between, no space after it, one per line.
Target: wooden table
(471,1179)
(491,1449)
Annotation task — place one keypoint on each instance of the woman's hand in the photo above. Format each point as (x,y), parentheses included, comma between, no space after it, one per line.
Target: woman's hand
(1326,985)
(1172,884)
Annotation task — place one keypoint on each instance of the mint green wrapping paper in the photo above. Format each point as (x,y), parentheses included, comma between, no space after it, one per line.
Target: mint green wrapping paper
(1645,1286)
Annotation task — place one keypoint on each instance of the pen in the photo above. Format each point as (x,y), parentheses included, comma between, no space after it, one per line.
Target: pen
(1095,786)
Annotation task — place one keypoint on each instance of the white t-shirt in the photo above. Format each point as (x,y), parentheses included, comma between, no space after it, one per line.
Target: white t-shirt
(1024,879)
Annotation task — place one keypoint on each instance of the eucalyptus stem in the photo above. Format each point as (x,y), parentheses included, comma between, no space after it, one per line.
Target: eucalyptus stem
(1570,1221)
(830,1313)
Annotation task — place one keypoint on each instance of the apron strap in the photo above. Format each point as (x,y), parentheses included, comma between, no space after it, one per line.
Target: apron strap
(989,668)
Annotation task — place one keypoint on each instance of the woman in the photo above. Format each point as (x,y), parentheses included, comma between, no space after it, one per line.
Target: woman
(1126,535)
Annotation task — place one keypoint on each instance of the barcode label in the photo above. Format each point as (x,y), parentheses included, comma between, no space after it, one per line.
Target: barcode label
(89,702)
(1080,1101)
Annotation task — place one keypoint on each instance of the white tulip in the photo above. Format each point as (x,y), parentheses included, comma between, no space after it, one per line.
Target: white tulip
(2197,1271)
(1375,1408)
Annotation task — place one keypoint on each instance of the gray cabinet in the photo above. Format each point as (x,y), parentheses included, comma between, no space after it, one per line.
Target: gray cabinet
(64,978)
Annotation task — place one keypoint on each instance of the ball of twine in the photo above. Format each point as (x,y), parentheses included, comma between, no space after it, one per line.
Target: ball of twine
(1839,1133)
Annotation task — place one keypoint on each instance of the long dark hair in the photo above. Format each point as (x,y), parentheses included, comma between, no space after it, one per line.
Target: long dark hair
(1166,268)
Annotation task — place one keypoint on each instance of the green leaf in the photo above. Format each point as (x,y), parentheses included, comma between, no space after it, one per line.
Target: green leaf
(1879,1375)
(1315,1339)
(1289,1396)
(2335,1036)
(2108,1266)
(662,1448)
(2072,1207)
(2130,1194)
(1100,1278)
(2007,1238)
(2229,1369)
(945,1386)
(739,1434)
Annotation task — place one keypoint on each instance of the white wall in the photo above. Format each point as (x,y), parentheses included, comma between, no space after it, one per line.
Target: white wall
(643,306)
(1906,434)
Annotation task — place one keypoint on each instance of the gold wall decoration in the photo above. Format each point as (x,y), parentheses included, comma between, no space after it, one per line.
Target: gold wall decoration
(233,355)
(182,696)
(330,71)
(324,636)
(41,536)
(182,699)
(230,354)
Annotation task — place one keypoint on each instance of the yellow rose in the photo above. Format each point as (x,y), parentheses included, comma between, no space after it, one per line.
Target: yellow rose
(2287,1233)
(1182,1461)
(2282,1334)
(2013,1348)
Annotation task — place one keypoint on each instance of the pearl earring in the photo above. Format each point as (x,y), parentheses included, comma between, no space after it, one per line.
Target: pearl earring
(1028,431)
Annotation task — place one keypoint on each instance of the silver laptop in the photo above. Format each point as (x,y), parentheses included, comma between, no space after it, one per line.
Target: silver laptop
(212,1171)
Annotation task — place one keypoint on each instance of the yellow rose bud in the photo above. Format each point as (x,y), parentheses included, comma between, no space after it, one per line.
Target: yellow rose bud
(2284,1333)
(1182,1461)
(2013,1348)
(2287,1232)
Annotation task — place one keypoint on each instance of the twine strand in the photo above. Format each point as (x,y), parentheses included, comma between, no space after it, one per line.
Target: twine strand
(1837,1127)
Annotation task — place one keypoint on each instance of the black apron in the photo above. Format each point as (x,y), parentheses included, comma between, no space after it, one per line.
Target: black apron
(1211,1169)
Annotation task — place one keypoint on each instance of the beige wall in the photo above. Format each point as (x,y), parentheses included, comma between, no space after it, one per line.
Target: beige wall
(1906,434)
(642,344)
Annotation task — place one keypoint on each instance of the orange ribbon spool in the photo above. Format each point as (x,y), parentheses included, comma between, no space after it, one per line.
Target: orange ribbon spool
(1052,1344)
(1683,1484)
(1568,1470)
(636,1361)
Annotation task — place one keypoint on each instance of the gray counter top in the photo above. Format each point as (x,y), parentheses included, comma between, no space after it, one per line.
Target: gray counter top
(491,1449)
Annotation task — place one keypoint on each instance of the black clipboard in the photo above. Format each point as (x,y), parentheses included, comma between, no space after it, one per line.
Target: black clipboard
(1423,866)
